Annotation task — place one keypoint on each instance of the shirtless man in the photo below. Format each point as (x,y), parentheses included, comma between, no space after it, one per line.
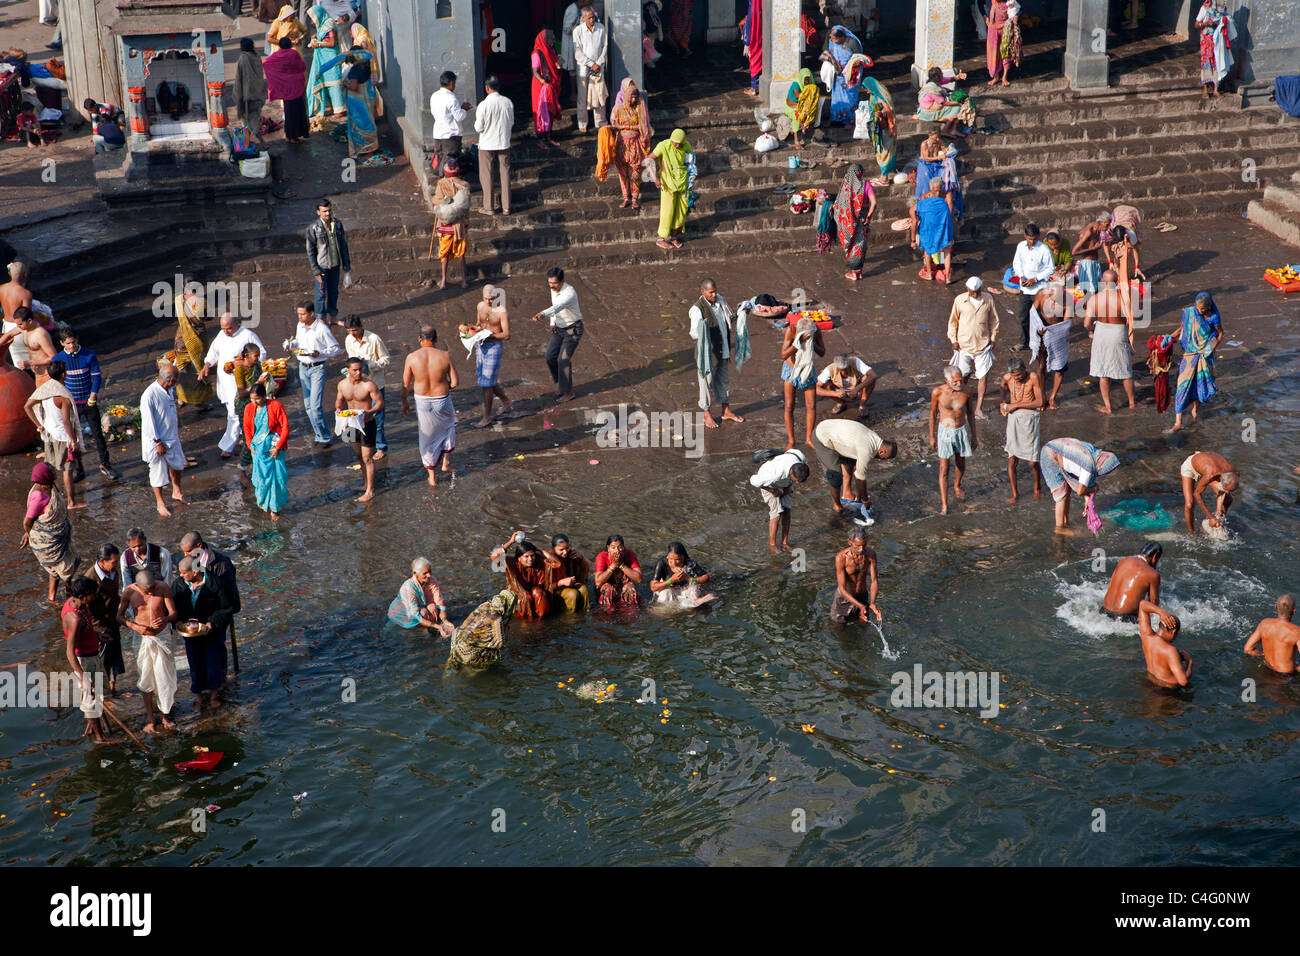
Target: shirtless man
(14,294)
(1134,580)
(1086,249)
(1054,305)
(151,602)
(953,408)
(39,344)
(855,581)
(1167,666)
(1206,469)
(491,315)
(359,393)
(430,375)
(1022,401)
(1278,636)
(1112,353)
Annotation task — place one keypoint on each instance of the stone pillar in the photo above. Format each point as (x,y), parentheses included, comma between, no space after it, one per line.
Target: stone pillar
(137,117)
(1086,66)
(1268,45)
(623,21)
(934,35)
(722,22)
(447,43)
(782,46)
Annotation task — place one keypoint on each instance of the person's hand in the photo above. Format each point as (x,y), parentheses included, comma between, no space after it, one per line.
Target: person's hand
(537,317)
(464,106)
(679,575)
(315,354)
(1213,521)
(22,542)
(1167,620)
(160,447)
(274,452)
(203,373)
(406,409)
(207,628)
(934,444)
(961,76)
(876,611)
(1003,409)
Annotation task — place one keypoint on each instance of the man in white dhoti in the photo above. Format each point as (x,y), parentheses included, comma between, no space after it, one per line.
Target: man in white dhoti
(152,609)
(227,344)
(160,436)
(429,376)
(591,52)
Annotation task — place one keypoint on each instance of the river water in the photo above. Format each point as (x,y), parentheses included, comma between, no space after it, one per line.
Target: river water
(1083,762)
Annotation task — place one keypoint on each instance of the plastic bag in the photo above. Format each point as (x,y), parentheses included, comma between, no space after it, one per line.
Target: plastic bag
(766,142)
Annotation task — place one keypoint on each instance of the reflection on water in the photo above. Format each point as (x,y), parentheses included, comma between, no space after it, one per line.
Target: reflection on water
(713,764)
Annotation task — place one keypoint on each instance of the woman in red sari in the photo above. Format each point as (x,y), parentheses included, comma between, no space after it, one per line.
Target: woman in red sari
(751,33)
(546,87)
(679,30)
(631,121)
(527,575)
(854,207)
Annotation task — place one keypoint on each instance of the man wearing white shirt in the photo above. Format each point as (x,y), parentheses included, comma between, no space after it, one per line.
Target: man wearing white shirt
(493,120)
(229,343)
(160,436)
(370,348)
(565,319)
(315,345)
(448,115)
(776,480)
(591,52)
(713,318)
(1034,265)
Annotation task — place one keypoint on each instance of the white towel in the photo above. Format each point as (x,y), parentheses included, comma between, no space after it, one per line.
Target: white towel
(157,666)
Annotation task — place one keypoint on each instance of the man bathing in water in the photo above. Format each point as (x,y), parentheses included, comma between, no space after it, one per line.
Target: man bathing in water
(1276,638)
(430,375)
(855,581)
(358,393)
(1203,470)
(1022,402)
(953,408)
(1167,666)
(491,315)
(151,602)
(1134,580)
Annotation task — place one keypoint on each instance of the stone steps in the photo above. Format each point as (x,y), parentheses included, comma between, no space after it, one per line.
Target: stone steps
(1279,210)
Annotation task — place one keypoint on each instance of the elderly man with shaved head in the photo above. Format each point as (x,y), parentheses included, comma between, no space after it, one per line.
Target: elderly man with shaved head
(493,317)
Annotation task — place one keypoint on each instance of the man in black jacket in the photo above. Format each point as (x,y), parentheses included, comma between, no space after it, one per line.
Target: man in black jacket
(327,251)
(199,598)
(221,569)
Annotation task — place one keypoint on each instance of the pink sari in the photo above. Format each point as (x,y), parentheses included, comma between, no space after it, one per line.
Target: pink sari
(993,46)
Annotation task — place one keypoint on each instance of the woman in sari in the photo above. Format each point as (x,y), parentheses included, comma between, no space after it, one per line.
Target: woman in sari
(854,207)
(631,122)
(419,602)
(527,575)
(266,430)
(842,46)
(359,95)
(569,571)
(802,104)
(679,28)
(191,347)
(751,34)
(285,25)
(1201,332)
(938,104)
(477,643)
(882,127)
(1217,34)
(325,80)
(362,40)
(679,580)
(46,529)
(1002,45)
(546,87)
(286,80)
(672,176)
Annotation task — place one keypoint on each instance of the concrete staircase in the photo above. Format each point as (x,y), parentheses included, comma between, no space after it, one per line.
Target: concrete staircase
(1053,157)
(1279,210)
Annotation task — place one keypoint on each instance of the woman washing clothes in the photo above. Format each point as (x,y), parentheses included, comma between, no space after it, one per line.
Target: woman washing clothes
(679,580)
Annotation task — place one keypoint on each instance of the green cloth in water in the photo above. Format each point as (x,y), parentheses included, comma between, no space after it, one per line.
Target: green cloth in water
(1139,515)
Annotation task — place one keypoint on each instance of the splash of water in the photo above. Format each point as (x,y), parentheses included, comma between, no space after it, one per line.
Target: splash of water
(886,653)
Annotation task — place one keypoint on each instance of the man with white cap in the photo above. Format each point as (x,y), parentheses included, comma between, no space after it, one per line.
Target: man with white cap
(973,330)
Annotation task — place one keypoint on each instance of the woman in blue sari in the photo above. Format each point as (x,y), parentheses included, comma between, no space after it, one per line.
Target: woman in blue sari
(359,94)
(325,80)
(1201,332)
(266,429)
(841,45)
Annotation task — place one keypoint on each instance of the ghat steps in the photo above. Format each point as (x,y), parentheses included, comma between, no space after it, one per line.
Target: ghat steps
(1052,157)
(1279,210)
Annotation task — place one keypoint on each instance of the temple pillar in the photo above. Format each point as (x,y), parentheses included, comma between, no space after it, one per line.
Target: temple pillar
(722,23)
(782,47)
(137,117)
(1086,64)
(623,20)
(934,36)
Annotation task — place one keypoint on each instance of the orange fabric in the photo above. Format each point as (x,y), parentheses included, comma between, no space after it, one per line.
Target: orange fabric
(276,420)
(605,140)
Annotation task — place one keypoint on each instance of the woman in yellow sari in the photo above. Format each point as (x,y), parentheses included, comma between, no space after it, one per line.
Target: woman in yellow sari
(190,349)
(286,25)
(802,104)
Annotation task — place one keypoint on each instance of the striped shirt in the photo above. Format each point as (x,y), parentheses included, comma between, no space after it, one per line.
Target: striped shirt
(83,373)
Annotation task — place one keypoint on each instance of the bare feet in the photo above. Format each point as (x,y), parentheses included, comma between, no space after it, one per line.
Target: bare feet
(178,497)
(1052,406)
(772,548)
(981,416)
(943,510)
(481,423)
(162,511)
(730,416)
(432,475)
(956,490)
(442,285)
(566,398)
(709,421)
(168,723)
(275,516)
(851,276)
(366,497)
(1013,499)
(74,507)
(379,455)
(664,244)
(147,729)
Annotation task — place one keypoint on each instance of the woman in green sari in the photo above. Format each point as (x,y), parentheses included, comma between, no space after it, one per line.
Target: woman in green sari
(802,104)
(673,179)
(325,80)
(882,126)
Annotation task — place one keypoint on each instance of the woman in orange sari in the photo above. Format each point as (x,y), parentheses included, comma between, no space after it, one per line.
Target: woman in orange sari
(631,120)
(527,575)
(190,349)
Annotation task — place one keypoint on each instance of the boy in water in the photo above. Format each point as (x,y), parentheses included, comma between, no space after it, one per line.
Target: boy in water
(1167,666)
